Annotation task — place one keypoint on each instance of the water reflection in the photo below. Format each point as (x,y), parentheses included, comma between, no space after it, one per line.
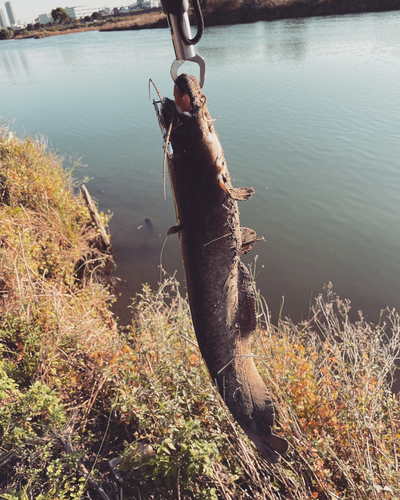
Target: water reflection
(5,62)
(24,62)
(14,63)
(71,57)
(285,40)
(271,41)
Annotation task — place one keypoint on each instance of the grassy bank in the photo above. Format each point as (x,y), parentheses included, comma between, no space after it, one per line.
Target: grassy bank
(88,410)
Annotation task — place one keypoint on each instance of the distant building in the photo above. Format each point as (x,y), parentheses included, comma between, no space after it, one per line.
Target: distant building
(125,10)
(139,4)
(81,11)
(3,22)
(45,18)
(10,12)
(105,11)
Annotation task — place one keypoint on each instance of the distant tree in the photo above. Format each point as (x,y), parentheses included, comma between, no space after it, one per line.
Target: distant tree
(60,15)
(96,16)
(30,27)
(87,19)
(5,33)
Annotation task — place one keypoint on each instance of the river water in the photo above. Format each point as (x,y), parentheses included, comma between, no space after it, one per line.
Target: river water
(309,115)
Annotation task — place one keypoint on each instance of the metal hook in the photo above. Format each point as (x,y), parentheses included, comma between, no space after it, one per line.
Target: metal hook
(197,59)
(178,20)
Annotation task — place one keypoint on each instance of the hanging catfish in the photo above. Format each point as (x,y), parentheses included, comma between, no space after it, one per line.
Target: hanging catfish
(221,297)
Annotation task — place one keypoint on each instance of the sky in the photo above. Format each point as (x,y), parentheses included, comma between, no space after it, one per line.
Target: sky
(29,10)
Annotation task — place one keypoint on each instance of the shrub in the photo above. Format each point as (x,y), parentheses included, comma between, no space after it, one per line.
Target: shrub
(330,381)
(53,310)
(5,34)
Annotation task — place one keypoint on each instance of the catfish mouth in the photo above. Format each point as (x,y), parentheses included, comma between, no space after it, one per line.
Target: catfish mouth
(187,99)
(182,101)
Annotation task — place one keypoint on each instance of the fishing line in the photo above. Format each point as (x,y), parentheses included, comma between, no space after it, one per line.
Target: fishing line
(161,254)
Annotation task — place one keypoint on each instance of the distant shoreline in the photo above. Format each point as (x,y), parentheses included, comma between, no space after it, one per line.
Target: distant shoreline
(225,12)
(143,20)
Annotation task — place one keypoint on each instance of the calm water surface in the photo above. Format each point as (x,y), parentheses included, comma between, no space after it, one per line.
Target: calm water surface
(309,115)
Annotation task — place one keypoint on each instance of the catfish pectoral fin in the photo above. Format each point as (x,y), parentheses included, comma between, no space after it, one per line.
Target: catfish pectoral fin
(241,194)
(174,229)
(249,245)
(249,239)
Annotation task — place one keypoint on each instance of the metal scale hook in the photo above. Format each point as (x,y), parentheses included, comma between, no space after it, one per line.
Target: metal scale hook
(178,20)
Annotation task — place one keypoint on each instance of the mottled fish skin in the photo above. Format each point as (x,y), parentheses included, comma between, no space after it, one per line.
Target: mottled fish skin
(220,293)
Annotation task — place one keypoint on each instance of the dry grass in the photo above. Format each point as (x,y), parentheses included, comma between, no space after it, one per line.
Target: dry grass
(329,379)
(77,392)
(54,301)
(331,382)
(144,20)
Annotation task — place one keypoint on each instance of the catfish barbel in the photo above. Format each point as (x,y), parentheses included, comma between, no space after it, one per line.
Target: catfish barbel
(221,297)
